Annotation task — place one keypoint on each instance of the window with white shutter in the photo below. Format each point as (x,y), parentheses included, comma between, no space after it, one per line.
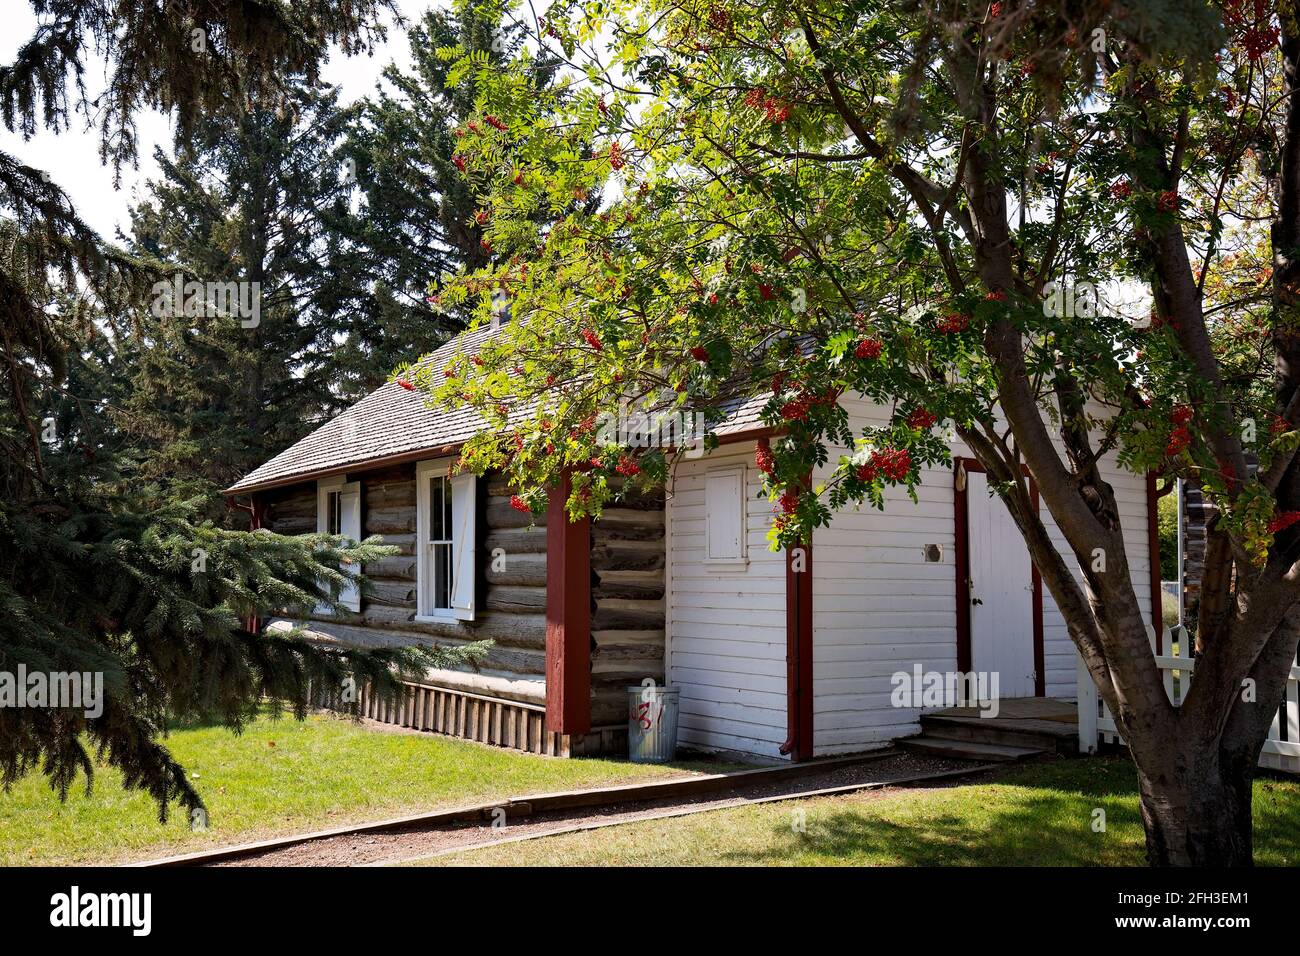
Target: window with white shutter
(338,511)
(724,508)
(446,506)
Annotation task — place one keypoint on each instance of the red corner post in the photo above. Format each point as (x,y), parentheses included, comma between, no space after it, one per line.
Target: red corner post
(799,652)
(568,617)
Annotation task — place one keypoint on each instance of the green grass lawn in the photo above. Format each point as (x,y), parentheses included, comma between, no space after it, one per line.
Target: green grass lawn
(1039,814)
(282,777)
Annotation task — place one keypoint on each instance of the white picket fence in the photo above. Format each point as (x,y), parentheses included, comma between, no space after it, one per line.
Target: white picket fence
(1097,724)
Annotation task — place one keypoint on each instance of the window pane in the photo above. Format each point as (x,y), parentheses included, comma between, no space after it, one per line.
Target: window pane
(446,508)
(335,522)
(441,576)
(436,527)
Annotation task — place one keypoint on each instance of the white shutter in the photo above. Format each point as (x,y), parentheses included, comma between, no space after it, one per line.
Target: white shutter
(350,527)
(724,506)
(464,577)
(349,496)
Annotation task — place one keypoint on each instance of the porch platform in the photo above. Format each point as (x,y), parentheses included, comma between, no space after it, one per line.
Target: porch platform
(1024,727)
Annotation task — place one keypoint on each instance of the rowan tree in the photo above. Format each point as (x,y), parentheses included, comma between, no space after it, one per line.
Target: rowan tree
(808,199)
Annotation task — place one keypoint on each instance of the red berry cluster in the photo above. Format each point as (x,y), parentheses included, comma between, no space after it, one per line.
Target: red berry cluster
(494,122)
(459,162)
(868,349)
(616,159)
(1121,189)
(773,109)
(1282,521)
(519,504)
(952,323)
(409,386)
(592,339)
(1179,440)
(1279,425)
(699,353)
(894,463)
(1168,201)
(789,500)
(921,418)
(763,459)
(627,467)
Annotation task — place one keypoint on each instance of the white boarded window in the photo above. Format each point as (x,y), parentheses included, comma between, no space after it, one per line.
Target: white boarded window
(338,511)
(724,521)
(446,506)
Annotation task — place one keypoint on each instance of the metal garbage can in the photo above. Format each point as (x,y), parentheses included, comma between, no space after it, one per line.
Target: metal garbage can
(651,723)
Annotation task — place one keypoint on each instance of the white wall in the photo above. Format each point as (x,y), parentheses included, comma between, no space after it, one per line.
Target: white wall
(878,607)
(726,629)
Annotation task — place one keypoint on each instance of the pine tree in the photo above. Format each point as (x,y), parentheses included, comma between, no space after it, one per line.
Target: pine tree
(417,221)
(262,202)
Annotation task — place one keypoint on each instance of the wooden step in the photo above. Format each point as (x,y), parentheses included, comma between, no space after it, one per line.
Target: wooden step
(1038,735)
(968,749)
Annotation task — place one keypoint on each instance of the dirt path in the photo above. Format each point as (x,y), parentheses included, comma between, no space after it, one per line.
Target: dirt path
(426,841)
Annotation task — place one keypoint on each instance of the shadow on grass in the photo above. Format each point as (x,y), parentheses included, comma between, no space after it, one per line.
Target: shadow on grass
(1037,815)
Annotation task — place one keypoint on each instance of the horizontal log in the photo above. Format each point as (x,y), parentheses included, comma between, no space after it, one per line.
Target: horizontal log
(298,496)
(517,540)
(399,566)
(294,526)
(516,599)
(619,589)
(603,535)
(305,510)
(396,593)
(516,569)
(635,654)
(390,520)
(617,614)
(619,638)
(617,518)
(404,542)
(501,514)
(391,473)
(645,556)
(393,494)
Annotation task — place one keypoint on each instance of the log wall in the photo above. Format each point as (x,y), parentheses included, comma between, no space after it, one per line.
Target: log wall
(512,596)
(627,567)
(627,589)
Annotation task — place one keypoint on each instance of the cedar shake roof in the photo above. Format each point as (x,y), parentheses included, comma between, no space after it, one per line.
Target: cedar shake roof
(394,424)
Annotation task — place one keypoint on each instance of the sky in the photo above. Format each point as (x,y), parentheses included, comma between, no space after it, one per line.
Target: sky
(71,157)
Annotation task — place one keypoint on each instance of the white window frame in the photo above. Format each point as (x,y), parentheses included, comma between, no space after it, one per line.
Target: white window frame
(712,479)
(462,544)
(325,487)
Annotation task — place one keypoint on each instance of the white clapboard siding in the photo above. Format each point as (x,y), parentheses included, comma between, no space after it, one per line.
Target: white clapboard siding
(726,625)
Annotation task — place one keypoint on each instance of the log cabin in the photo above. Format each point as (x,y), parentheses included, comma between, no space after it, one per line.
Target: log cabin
(777,656)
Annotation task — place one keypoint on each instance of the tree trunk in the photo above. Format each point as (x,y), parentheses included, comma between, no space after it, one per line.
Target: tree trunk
(1196,809)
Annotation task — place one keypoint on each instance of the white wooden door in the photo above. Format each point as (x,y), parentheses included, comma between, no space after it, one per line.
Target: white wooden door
(1001,592)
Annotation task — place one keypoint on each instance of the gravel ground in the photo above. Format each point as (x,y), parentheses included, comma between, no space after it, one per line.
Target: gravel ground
(393,846)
